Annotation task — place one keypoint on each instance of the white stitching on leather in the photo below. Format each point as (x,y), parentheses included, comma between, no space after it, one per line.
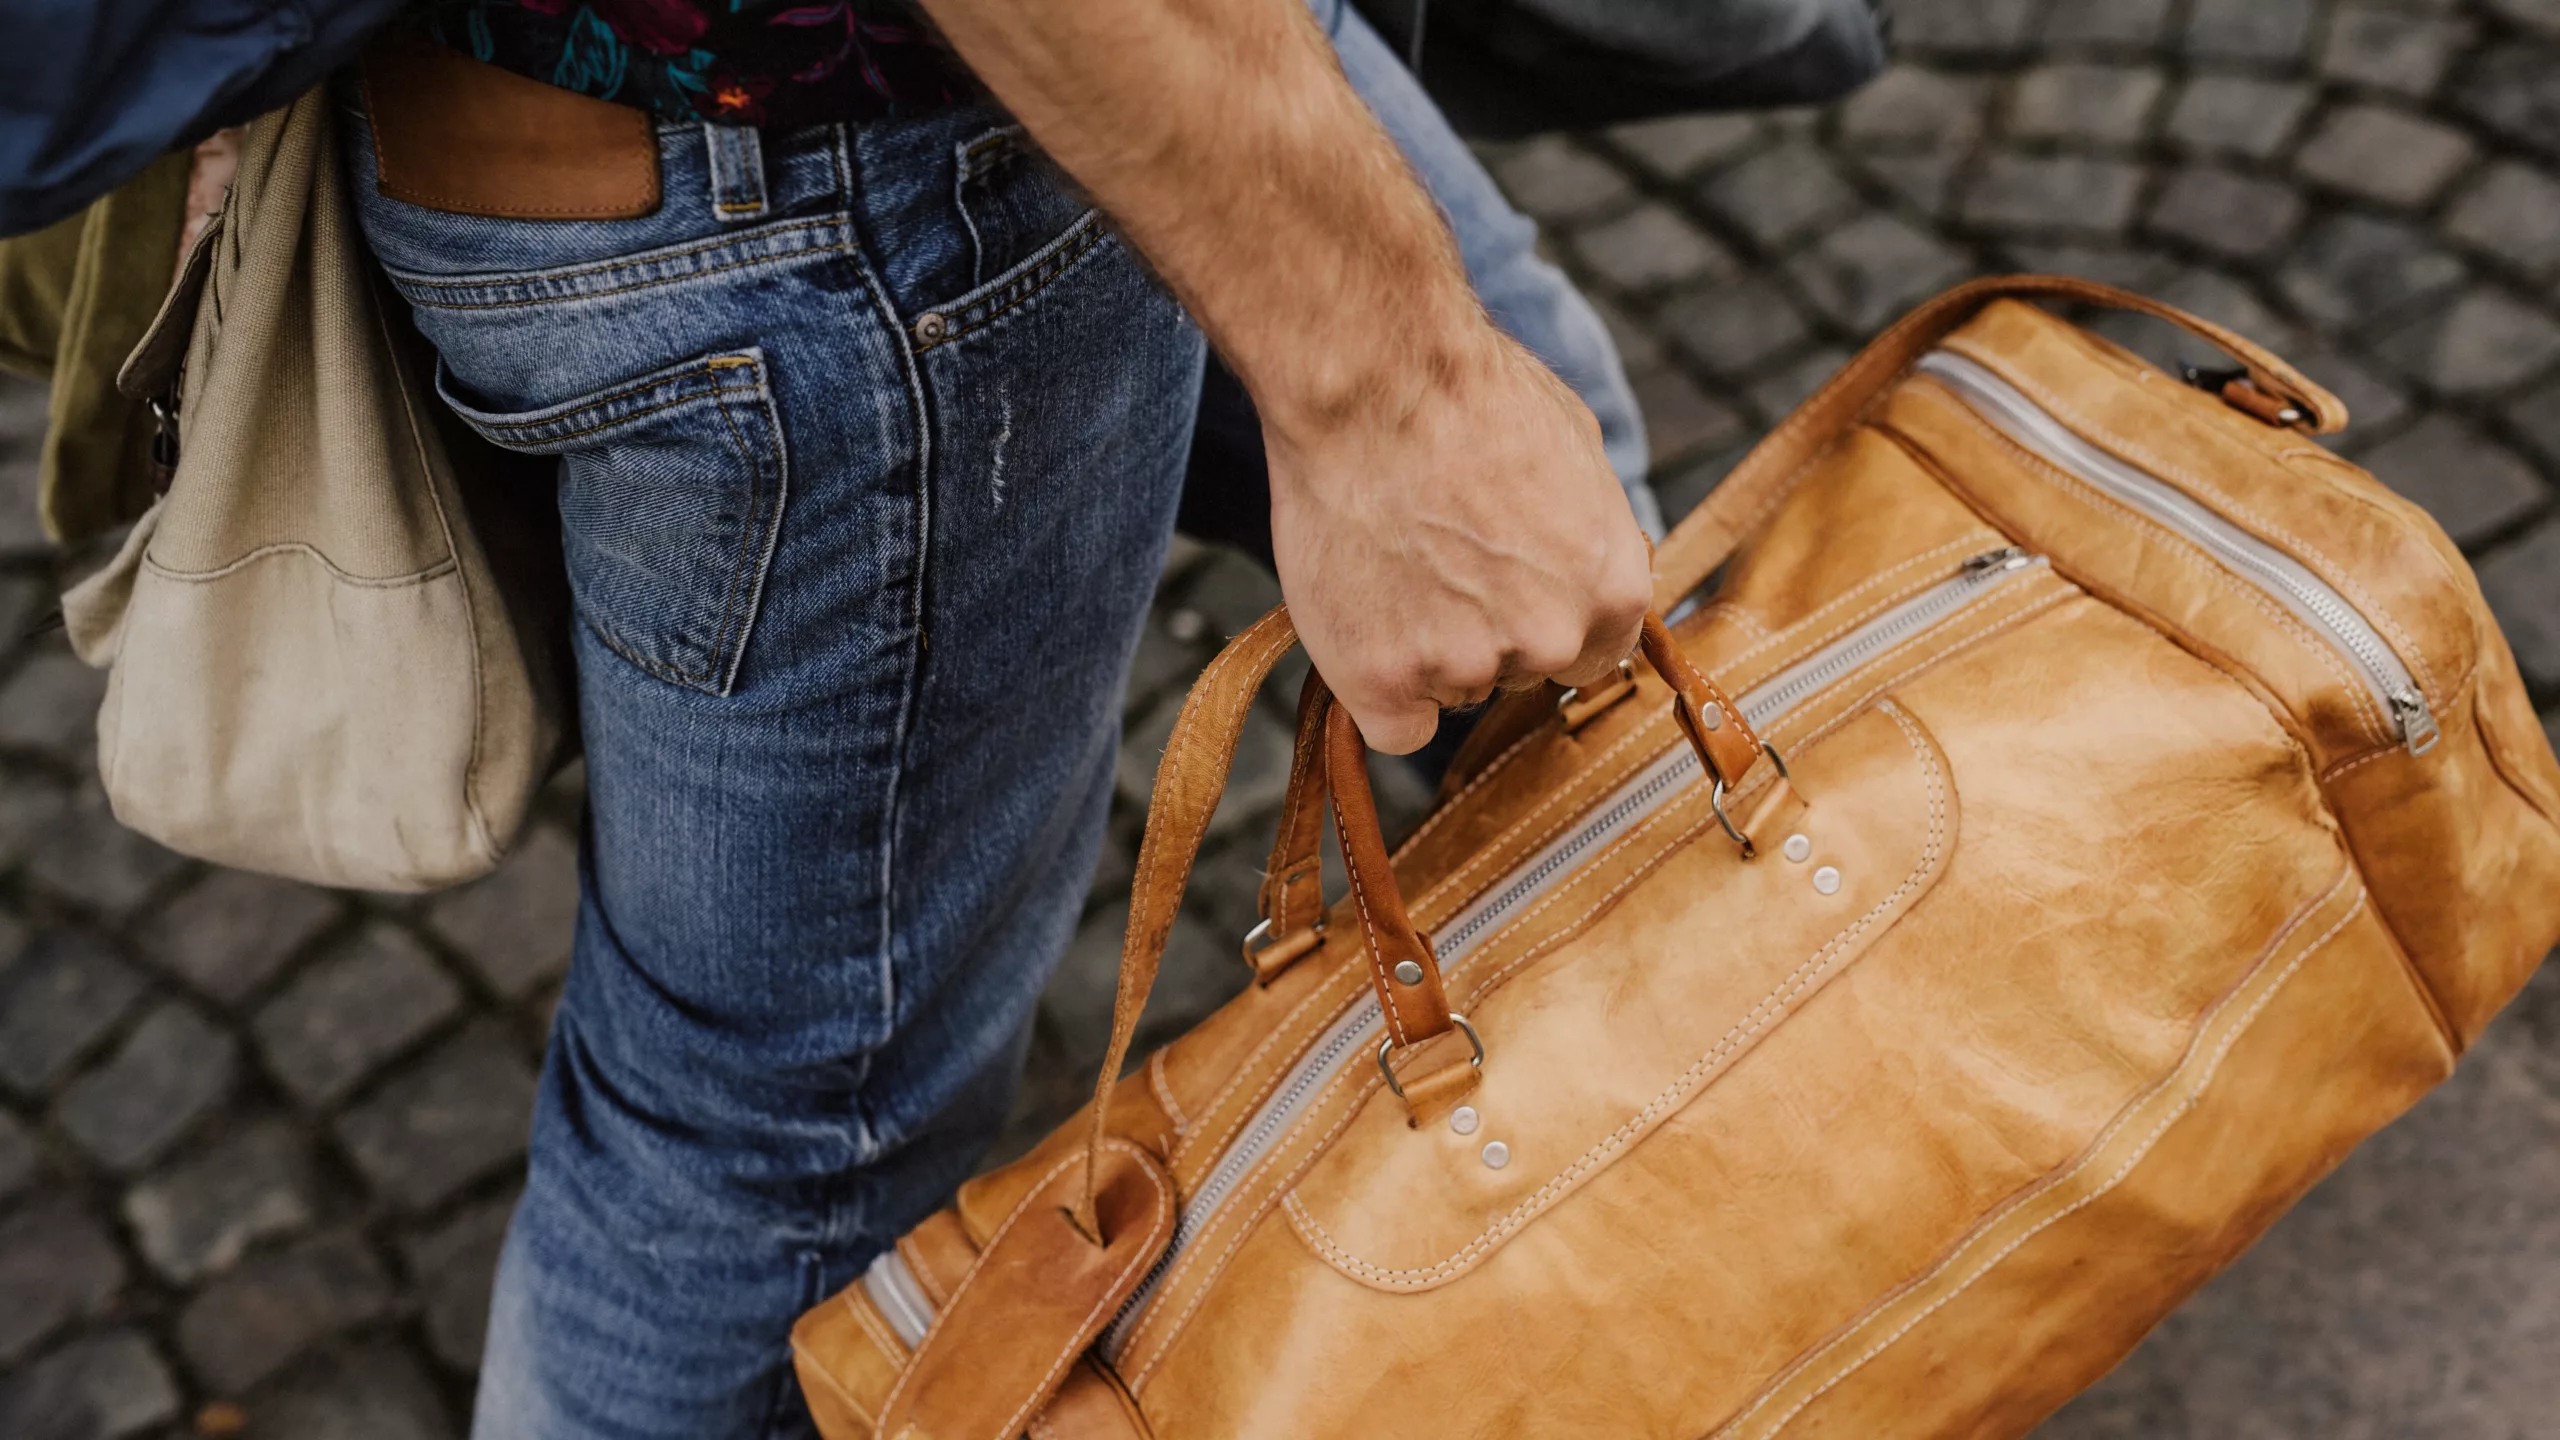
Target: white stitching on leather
(1762,1014)
(2203,1082)
(1141,1258)
(1163,1088)
(2183,548)
(1369,928)
(2329,569)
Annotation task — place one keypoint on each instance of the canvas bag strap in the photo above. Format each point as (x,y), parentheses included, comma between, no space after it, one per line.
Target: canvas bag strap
(1738,506)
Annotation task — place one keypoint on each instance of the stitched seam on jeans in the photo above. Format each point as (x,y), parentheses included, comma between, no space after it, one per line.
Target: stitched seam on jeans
(2142,1151)
(1017,291)
(749,542)
(536,301)
(407,280)
(618,418)
(1767,1012)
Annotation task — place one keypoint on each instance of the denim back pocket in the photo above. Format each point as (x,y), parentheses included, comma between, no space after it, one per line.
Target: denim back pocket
(671,486)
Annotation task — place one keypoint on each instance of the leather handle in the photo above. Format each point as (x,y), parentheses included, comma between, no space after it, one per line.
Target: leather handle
(1291,899)
(1189,781)
(1402,968)
(1746,496)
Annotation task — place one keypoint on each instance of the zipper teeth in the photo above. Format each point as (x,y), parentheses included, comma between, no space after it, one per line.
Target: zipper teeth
(2022,420)
(1454,940)
(1760,706)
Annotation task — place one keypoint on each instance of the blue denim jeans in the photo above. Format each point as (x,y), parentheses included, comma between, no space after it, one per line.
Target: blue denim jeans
(869,443)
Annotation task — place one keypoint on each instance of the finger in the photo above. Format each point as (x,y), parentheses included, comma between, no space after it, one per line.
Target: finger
(1394,728)
(1600,661)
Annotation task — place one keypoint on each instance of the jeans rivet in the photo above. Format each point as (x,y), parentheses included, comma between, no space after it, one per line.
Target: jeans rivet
(931,327)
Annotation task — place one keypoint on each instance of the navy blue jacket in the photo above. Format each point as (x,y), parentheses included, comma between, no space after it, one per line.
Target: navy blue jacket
(93,90)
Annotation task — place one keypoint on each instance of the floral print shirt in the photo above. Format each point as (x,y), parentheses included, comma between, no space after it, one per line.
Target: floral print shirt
(779,63)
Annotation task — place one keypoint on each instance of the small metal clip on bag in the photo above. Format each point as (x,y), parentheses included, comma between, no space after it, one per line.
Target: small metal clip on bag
(334,644)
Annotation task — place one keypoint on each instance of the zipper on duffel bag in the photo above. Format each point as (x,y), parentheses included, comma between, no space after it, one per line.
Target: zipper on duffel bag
(1355,1034)
(2286,580)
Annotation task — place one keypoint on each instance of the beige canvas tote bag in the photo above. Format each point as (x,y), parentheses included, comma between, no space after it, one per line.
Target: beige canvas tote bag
(334,646)
(2109,807)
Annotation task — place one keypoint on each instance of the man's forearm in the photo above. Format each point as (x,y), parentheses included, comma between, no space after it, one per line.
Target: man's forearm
(1222,137)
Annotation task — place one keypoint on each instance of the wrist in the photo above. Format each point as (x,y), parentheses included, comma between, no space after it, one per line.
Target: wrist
(1366,364)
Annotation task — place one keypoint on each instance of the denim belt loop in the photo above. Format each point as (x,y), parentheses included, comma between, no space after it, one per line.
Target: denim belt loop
(737,172)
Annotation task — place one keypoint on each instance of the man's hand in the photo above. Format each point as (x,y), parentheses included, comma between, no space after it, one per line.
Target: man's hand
(1444,520)
(1471,537)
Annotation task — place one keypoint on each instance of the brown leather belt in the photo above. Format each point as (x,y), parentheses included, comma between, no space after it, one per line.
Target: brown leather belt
(451,133)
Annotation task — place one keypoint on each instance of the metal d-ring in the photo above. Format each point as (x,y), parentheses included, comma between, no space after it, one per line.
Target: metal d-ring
(1626,676)
(1259,940)
(1715,801)
(1387,1047)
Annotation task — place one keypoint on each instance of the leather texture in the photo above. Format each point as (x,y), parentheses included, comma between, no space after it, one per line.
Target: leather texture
(2103,900)
(451,133)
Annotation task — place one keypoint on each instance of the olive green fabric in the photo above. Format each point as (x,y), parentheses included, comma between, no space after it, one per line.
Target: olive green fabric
(75,297)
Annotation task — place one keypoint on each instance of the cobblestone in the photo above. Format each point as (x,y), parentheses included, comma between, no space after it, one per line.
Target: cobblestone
(454,1117)
(2380,153)
(2485,341)
(513,927)
(250,1323)
(453,1265)
(1911,105)
(2522,582)
(1735,329)
(348,1014)
(2085,102)
(374,1390)
(1673,148)
(2249,29)
(198,1217)
(20,1160)
(1780,194)
(57,1264)
(2391,48)
(60,997)
(2234,215)
(96,862)
(2240,114)
(2371,187)
(2046,194)
(2351,270)
(1650,247)
(2511,211)
(1874,268)
(232,931)
(104,1387)
(172,1071)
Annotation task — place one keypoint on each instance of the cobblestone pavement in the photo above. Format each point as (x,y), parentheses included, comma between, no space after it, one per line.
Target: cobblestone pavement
(257,1141)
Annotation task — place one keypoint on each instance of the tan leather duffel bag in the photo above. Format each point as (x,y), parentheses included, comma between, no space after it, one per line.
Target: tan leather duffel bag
(2160,813)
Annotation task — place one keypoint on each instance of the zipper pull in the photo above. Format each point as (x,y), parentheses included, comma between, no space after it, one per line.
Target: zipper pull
(2007,557)
(2417,722)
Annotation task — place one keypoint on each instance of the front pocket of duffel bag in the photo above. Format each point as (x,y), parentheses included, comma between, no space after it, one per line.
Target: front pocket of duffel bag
(671,495)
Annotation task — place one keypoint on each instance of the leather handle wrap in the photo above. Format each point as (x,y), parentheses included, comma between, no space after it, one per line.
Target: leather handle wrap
(1745,498)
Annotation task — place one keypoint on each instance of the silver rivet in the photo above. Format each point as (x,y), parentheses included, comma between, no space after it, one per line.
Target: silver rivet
(931,327)
(1711,715)
(1827,880)
(1496,1154)
(1408,973)
(1798,848)
(1464,1120)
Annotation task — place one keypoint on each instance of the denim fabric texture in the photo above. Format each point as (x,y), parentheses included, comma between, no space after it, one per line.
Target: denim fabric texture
(869,445)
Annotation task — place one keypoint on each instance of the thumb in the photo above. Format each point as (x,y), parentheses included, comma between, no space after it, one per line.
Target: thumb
(1393,727)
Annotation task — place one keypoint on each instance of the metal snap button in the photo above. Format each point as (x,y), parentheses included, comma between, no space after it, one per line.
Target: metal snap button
(1496,1155)
(1464,1120)
(1798,848)
(1827,880)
